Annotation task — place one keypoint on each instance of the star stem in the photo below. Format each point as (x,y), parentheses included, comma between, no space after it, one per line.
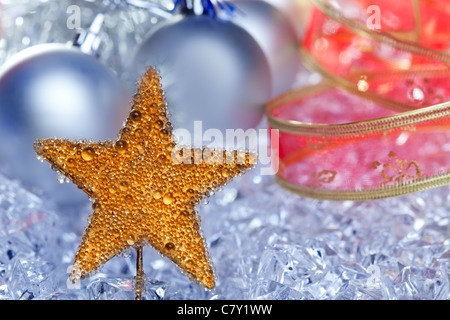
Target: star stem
(140,286)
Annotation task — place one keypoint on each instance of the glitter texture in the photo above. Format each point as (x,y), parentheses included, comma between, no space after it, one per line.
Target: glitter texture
(266,243)
(144,187)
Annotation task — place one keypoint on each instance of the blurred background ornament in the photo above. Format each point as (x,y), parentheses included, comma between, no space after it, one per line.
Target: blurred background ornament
(25,23)
(296,12)
(212,69)
(50,90)
(277,37)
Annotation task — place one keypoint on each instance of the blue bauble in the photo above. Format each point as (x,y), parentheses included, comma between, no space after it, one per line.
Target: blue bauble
(212,71)
(51,90)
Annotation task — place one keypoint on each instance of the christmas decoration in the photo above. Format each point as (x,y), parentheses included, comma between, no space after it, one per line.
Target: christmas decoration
(280,247)
(54,89)
(390,104)
(319,147)
(347,50)
(266,243)
(276,36)
(296,12)
(140,195)
(213,70)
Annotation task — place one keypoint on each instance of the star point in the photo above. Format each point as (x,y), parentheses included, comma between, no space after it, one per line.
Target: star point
(144,188)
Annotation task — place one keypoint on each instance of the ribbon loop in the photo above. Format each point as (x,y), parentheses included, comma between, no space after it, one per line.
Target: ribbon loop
(378,125)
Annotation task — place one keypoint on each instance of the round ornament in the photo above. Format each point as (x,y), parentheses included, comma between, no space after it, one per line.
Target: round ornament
(297,13)
(213,71)
(277,37)
(53,90)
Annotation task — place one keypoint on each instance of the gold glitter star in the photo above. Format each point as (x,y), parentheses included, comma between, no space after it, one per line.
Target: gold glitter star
(144,187)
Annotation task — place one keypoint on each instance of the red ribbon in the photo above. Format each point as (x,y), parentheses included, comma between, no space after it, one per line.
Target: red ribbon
(379,123)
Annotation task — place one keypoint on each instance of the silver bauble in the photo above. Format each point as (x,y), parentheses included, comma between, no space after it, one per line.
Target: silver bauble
(296,11)
(51,90)
(212,71)
(277,37)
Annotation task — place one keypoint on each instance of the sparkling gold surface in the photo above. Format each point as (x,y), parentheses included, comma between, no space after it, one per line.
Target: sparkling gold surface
(140,194)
